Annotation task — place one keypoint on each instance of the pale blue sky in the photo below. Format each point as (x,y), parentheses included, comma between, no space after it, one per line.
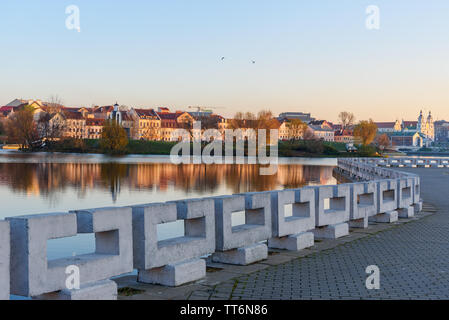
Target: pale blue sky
(315,56)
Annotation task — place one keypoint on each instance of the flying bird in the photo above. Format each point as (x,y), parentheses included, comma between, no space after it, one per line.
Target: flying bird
(254,62)
(222,58)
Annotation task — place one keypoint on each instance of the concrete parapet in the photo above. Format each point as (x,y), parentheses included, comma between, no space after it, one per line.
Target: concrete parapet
(294,242)
(4,259)
(418,207)
(332,205)
(363,203)
(405,192)
(408,212)
(302,202)
(175,274)
(101,290)
(198,240)
(334,231)
(233,243)
(387,196)
(242,256)
(31,273)
(387,217)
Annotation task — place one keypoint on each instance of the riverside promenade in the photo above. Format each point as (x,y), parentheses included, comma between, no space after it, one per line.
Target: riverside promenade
(412,255)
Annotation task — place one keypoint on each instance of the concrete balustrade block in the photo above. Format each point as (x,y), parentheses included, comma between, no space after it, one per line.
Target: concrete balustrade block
(295,242)
(332,205)
(4,259)
(164,259)
(113,237)
(234,244)
(334,231)
(417,190)
(175,274)
(387,217)
(302,219)
(418,207)
(332,211)
(408,212)
(363,203)
(242,256)
(405,192)
(359,223)
(32,275)
(101,290)
(387,196)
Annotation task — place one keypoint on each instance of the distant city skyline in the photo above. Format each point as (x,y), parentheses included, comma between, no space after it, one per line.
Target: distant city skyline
(288,56)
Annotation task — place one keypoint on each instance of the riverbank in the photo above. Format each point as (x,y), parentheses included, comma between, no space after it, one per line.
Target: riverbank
(300,149)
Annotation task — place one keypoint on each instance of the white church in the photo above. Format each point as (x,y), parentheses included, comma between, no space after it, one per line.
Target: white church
(412,133)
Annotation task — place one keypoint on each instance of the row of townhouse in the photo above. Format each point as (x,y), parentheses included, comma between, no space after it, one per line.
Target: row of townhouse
(149,124)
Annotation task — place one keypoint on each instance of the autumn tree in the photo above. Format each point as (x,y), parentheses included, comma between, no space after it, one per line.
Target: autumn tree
(21,128)
(263,120)
(114,138)
(347,119)
(383,141)
(296,128)
(365,131)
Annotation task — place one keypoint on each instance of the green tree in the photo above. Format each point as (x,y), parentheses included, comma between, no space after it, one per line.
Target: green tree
(114,138)
(365,132)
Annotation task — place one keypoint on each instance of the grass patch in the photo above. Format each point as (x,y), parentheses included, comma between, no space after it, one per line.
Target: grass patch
(212,269)
(128,292)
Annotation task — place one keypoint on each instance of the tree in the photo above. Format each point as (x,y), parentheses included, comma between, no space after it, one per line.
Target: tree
(309,135)
(296,128)
(48,128)
(114,138)
(21,128)
(383,141)
(365,131)
(263,120)
(347,119)
(54,104)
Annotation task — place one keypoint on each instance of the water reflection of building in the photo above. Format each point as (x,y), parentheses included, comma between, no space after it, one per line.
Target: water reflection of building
(44,179)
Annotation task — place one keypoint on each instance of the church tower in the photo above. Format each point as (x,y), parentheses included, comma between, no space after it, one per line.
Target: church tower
(420,124)
(430,128)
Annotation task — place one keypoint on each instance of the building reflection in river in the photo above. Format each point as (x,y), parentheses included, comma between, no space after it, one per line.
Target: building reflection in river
(44,179)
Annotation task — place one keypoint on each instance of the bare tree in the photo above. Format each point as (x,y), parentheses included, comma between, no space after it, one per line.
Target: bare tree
(347,119)
(308,135)
(383,142)
(54,104)
(49,128)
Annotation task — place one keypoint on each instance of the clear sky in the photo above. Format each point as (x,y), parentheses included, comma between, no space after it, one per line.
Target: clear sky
(315,56)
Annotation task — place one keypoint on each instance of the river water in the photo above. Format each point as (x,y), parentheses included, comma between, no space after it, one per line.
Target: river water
(42,183)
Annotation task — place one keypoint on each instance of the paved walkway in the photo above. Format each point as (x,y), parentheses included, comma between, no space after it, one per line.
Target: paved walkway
(413,259)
